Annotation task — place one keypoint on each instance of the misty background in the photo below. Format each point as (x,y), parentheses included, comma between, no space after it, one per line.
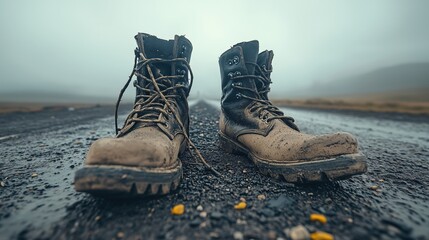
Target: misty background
(82,51)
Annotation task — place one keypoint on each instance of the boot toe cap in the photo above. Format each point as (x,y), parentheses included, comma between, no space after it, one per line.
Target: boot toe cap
(331,145)
(125,152)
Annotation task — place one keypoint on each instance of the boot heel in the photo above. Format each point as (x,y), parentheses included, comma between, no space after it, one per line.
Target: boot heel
(229,146)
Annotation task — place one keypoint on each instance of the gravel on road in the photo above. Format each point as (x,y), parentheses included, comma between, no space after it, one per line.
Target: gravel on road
(37,199)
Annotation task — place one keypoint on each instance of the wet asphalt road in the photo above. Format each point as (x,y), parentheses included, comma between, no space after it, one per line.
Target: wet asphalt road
(40,152)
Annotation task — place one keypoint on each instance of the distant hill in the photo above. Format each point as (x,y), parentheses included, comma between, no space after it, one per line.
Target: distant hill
(400,80)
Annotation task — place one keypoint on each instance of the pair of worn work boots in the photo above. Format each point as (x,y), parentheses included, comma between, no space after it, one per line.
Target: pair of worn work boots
(142,159)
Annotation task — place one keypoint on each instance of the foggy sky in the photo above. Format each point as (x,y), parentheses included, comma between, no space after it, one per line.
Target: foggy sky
(86,47)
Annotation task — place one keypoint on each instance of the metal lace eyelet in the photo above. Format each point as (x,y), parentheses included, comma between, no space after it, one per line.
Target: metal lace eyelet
(236,60)
(237,73)
(238,84)
(184,47)
(230,75)
(232,84)
(238,95)
(229,62)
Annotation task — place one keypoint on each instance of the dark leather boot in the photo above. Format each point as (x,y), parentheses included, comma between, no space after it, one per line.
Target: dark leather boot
(250,124)
(143,158)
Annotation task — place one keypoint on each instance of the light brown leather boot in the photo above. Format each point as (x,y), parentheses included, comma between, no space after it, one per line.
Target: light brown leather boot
(249,124)
(143,158)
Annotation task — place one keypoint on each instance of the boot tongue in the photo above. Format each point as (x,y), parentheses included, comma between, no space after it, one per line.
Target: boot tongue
(265,59)
(250,54)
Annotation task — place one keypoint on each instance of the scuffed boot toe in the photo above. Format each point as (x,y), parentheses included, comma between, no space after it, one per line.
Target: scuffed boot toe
(328,146)
(124,152)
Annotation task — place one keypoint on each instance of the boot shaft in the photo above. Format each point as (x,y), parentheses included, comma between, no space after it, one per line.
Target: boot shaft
(151,47)
(235,65)
(245,85)
(164,79)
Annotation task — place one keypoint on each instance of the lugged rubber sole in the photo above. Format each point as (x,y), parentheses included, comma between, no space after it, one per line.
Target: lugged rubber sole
(120,181)
(332,169)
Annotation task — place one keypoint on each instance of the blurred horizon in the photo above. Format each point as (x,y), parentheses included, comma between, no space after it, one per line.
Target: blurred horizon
(82,51)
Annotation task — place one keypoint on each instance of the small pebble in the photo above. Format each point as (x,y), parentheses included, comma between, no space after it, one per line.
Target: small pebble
(120,235)
(195,223)
(238,235)
(272,235)
(261,197)
(34,175)
(242,199)
(97,218)
(374,187)
(2,184)
(241,222)
(298,233)
(199,208)
(216,215)
(203,214)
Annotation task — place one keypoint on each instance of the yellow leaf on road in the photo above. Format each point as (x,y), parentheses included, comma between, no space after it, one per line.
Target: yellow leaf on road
(319,235)
(240,205)
(318,218)
(179,209)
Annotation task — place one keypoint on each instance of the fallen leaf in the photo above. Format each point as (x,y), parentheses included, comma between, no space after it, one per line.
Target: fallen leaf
(319,235)
(240,205)
(318,218)
(179,209)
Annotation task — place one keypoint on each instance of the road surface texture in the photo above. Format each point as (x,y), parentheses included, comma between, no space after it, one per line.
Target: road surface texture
(41,151)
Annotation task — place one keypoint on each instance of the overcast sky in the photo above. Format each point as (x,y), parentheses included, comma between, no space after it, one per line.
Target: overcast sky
(86,47)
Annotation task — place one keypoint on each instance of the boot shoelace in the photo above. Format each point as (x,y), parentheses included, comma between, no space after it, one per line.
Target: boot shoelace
(265,109)
(155,100)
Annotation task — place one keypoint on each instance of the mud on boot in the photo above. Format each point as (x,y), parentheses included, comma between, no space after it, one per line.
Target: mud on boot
(251,125)
(142,159)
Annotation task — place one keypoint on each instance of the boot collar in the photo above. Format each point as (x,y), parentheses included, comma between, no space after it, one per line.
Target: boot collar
(152,47)
(249,51)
